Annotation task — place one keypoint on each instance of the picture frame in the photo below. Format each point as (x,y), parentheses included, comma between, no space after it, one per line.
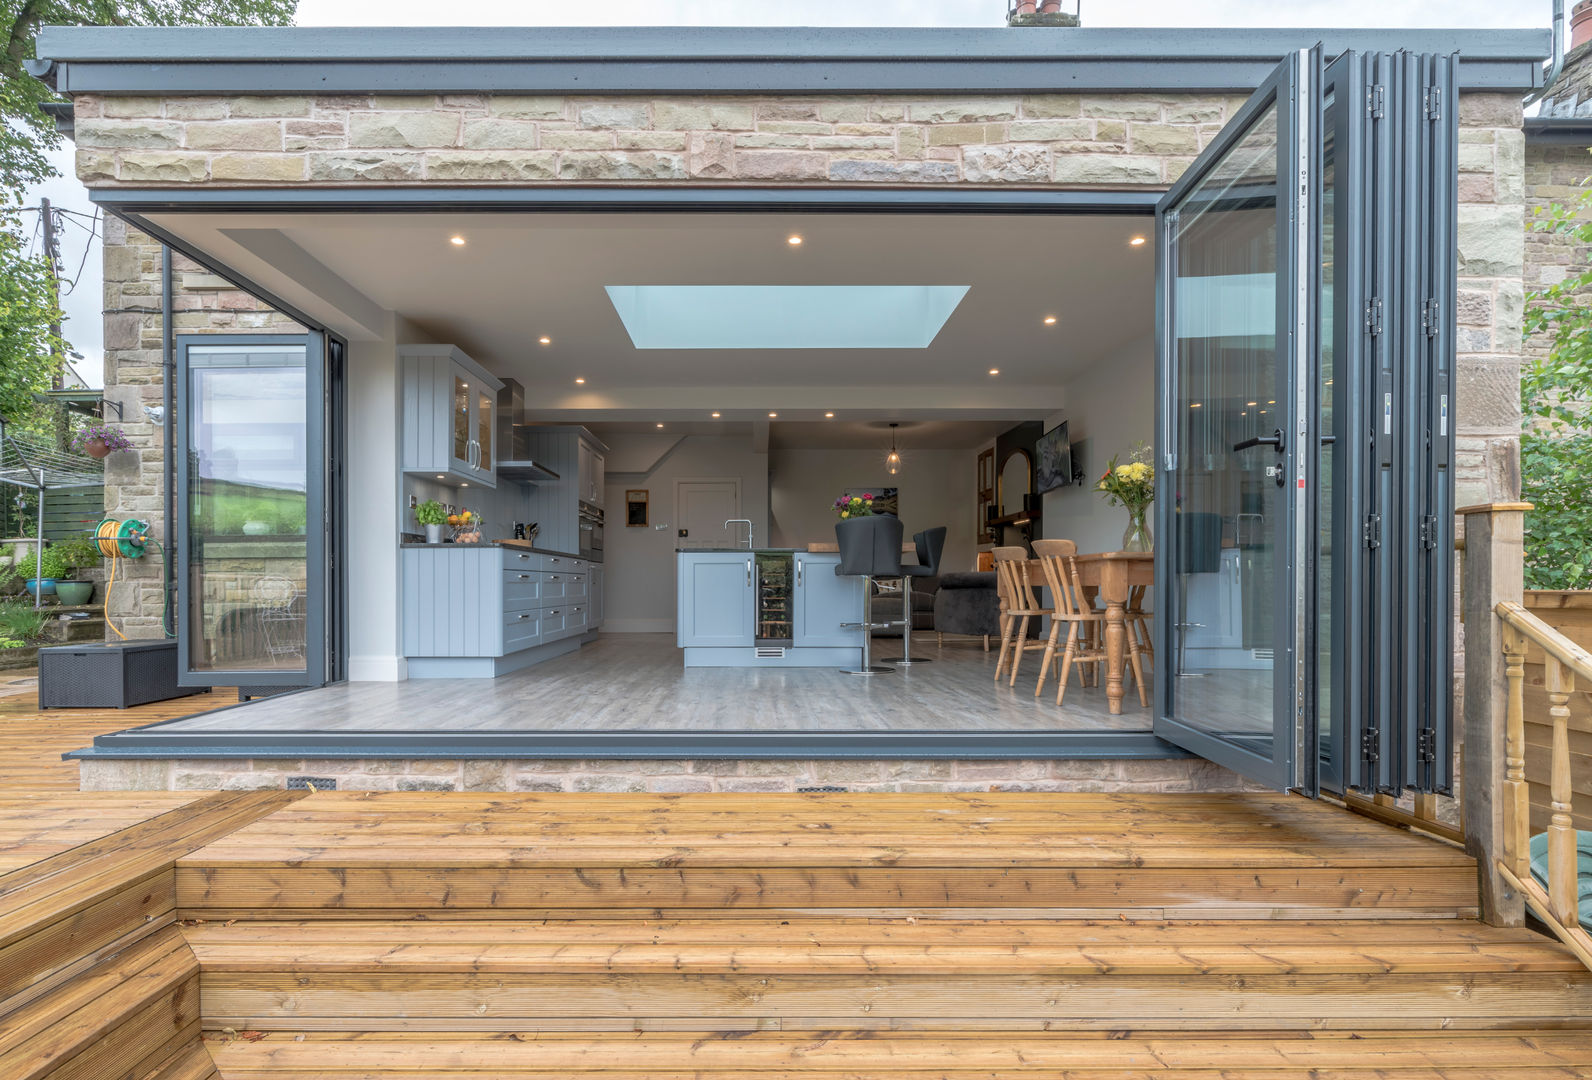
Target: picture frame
(637,509)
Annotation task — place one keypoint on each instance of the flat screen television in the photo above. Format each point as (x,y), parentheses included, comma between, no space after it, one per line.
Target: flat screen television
(1052,460)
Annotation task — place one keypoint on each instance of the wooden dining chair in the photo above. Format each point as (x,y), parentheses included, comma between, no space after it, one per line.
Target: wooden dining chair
(1085,644)
(1141,643)
(1020,602)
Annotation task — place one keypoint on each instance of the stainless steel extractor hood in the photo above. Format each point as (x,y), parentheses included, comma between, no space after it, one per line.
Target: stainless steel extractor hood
(513,455)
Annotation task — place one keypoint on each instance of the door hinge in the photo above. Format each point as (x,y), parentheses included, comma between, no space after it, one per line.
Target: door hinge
(1428,532)
(1426,745)
(1430,309)
(1375,101)
(1373,315)
(1433,100)
(1370,746)
(1371,530)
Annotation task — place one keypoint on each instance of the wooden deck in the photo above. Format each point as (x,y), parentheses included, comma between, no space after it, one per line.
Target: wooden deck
(32,739)
(269,936)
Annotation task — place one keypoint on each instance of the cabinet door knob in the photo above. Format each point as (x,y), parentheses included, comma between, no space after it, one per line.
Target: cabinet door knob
(525,577)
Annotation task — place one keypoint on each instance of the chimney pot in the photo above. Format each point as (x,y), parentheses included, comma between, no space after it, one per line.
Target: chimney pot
(1581,24)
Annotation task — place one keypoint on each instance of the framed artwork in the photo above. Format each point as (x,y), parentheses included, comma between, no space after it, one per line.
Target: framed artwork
(636,509)
(985,496)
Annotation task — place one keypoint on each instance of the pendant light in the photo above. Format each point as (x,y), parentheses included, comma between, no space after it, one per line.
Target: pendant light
(892,463)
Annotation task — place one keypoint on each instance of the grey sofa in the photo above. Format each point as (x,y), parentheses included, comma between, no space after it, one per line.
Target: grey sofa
(967,603)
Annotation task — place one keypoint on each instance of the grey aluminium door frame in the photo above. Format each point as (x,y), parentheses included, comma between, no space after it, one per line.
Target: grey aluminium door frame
(316,671)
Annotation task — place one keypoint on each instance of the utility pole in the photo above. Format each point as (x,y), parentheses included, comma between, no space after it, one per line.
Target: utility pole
(52,256)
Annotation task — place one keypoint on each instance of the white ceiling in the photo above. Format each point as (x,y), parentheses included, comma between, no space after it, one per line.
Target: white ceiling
(520,276)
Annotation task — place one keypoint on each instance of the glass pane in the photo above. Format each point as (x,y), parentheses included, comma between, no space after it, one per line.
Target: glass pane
(248,471)
(1230,534)
(483,430)
(461,419)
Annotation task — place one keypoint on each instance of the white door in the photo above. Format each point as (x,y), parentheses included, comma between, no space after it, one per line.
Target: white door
(701,509)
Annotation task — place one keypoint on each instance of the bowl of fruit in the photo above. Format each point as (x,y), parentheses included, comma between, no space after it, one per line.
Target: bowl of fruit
(466,527)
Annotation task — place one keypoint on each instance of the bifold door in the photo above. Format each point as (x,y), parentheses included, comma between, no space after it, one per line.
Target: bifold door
(251,510)
(1304,561)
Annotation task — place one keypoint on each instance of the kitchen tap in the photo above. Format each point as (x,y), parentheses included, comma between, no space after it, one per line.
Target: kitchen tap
(748,524)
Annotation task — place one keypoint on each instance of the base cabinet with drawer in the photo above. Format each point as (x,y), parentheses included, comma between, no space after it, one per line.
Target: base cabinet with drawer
(479,612)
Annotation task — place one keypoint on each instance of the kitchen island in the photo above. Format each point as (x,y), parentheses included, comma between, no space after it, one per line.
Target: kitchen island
(769,607)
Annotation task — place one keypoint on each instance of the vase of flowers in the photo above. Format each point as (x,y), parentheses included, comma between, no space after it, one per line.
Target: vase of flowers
(98,440)
(854,506)
(1131,484)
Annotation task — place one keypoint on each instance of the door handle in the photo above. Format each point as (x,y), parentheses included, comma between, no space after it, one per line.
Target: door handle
(749,571)
(1272,440)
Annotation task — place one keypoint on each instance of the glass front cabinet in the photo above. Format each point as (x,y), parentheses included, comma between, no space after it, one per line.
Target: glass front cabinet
(450,407)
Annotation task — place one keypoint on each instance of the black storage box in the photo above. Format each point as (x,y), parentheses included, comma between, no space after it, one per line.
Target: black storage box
(114,675)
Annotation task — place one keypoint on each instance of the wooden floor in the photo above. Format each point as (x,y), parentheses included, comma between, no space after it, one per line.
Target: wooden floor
(348,935)
(32,740)
(637,682)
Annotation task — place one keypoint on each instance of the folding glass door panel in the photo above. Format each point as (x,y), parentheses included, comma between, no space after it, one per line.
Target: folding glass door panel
(250,538)
(1238,323)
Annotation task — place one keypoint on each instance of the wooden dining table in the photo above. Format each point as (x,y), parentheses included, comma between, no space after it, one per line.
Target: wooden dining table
(1112,575)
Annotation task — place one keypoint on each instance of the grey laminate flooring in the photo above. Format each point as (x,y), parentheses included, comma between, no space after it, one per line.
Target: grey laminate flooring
(637,682)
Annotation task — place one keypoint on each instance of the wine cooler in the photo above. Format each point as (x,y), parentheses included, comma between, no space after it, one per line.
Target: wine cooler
(776,575)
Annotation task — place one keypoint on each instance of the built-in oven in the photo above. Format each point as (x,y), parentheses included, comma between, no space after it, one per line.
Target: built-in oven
(591,531)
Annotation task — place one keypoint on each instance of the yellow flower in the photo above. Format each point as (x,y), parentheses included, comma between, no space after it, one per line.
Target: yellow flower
(1140,470)
(845,513)
(1124,471)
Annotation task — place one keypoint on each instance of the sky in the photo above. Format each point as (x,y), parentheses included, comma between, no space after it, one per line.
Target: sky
(83,304)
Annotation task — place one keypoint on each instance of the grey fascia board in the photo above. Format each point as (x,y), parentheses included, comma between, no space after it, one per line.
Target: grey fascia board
(219,60)
(150,742)
(1559,130)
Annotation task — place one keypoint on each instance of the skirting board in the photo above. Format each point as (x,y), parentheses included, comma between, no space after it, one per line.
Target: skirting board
(487,667)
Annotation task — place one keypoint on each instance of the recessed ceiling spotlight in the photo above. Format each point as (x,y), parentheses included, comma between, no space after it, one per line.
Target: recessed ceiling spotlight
(441,477)
(1137,241)
(994,371)
(772,415)
(715,416)
(456,241)
(660,425)
(1194,404)
(1271,403)
(464,483)
(579,381)
(1251,404)
(794,240)
(829,416)
(1050,320)
(544,340)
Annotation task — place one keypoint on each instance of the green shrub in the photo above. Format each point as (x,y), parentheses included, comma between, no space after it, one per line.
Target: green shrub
(79,552)
(52,566)
(1556,403)
(21,622)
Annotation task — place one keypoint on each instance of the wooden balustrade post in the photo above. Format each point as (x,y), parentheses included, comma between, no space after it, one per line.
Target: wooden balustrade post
(1517,795)
(1493,571)
(1561,831)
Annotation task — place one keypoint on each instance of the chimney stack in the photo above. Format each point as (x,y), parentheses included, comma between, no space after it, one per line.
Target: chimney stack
(1042,12)
(1581,24)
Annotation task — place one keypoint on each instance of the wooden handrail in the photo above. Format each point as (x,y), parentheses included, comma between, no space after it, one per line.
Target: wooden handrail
(1563,661)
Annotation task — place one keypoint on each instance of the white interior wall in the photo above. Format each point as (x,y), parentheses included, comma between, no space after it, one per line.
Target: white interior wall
(1110,408)
(639,587)
(937,488)
(373,473)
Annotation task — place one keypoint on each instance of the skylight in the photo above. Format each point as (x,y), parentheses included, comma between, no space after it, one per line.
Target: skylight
(784,316)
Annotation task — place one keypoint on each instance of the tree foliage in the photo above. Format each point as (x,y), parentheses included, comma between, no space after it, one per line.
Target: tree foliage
(27,134)
(1556,396)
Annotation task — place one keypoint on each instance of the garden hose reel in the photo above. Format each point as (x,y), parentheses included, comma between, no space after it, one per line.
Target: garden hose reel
(119,540)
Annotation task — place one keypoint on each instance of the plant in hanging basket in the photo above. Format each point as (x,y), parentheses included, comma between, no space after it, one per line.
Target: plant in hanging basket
(97,440)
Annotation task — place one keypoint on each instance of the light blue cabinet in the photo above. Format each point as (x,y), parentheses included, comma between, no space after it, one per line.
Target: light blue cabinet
(449,403)
(715,602)
(824,601)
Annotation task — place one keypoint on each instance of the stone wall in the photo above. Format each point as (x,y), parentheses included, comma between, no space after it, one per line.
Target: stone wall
(1124,139)
(202,303)
(430,774)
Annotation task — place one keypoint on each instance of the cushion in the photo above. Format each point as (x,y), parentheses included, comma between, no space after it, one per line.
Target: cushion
(1583,866)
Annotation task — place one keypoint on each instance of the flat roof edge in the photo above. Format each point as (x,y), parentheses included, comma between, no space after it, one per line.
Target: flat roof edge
(723,60)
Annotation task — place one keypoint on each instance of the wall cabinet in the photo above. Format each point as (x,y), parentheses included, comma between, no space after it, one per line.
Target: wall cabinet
(823,601)
(449,407)
(592,467)
(715,602)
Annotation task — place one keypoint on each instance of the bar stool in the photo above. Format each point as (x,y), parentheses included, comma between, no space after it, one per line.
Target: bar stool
(1017,592)
(930,544)
(870,547)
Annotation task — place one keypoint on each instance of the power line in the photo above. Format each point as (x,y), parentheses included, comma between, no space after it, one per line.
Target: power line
(88,246)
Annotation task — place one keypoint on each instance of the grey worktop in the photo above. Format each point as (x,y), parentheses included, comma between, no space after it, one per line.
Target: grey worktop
(703,548)
(517,545)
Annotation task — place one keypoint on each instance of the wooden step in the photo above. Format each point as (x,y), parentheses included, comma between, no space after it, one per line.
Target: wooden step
(1150,856)
(857,974)
(709,1055)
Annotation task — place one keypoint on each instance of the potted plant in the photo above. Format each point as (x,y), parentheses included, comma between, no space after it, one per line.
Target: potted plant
(78,553)
(98,439)
(431,514)
(51,567)
(1131,484)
